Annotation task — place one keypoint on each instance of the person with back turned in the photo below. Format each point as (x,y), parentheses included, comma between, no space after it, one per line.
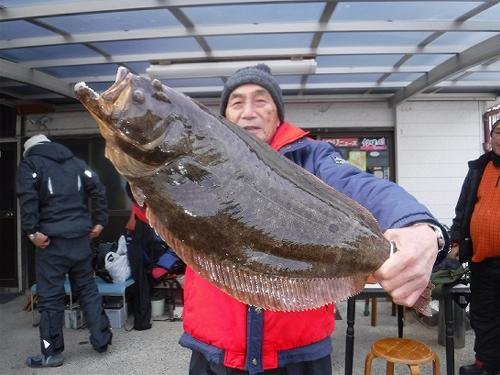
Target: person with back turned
(228,337)
(475,234)
(54,187)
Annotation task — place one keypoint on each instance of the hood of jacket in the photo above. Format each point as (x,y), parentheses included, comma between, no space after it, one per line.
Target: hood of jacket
(51,150)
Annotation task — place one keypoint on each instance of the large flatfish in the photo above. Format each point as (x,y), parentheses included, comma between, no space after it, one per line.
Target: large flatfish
(256,225)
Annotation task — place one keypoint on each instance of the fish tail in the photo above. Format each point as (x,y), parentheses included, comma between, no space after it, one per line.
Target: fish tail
(423,304)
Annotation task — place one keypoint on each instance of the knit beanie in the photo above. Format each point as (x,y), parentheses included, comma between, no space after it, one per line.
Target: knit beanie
(494,126)
(259,75)
(33,141)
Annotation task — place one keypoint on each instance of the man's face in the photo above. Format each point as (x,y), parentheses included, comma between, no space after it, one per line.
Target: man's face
(495,140)
(252,108)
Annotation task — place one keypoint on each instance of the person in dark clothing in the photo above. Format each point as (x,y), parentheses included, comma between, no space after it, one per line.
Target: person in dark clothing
(141,237)
(54,187)
(144,251)
(475,234)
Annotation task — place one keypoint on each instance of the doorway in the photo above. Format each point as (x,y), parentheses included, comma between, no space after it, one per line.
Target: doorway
(8,216)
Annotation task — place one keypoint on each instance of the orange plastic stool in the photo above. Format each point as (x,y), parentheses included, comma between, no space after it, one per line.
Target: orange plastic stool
(409,352)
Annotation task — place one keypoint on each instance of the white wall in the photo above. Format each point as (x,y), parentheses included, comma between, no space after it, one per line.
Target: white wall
(434,139)
(61,123)
(340,114)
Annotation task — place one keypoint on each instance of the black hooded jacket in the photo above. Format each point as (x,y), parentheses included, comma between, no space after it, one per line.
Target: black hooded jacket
(53,187)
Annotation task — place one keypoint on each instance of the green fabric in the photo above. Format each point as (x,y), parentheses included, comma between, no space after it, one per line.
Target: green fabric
(448,277)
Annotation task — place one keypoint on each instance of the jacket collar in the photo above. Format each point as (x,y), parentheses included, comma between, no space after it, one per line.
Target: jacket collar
(481,162)
(286,134)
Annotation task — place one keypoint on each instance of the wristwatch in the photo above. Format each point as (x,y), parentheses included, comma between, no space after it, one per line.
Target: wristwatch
(439,234)
(32,236)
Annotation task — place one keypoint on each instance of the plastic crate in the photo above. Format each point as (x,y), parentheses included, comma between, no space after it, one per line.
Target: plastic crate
(116,317)
(73,318)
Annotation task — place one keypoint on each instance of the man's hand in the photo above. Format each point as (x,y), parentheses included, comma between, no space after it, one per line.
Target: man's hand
(406,273)
(96,231)
(41,240)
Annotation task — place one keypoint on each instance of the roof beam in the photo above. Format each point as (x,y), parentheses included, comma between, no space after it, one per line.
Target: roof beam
(99,6)
(18,72)
(486,50)
(256,54)
(312,86)
(342,70)
(252,29)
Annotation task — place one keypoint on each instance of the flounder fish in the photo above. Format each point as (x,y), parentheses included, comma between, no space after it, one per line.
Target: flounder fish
(257,226)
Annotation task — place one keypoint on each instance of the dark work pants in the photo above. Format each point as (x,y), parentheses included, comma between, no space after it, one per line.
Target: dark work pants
(485,311)
(72,256)
(141,290)
(200,366)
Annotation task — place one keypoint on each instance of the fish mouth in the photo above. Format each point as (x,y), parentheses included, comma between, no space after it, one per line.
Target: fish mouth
(100,104)
(100,107)
(122,79)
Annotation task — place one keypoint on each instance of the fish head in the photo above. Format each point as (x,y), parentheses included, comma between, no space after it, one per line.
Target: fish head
(137,120)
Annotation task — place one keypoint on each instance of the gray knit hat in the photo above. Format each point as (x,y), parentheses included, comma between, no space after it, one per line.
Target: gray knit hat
(259,75)
(495,124)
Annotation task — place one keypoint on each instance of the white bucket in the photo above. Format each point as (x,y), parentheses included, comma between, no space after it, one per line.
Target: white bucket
(158,307)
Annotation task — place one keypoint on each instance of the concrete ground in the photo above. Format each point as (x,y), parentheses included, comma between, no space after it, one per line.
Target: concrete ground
(156,351)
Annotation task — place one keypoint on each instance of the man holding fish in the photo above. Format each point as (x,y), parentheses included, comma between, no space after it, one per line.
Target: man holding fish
(268,243)
(299,342)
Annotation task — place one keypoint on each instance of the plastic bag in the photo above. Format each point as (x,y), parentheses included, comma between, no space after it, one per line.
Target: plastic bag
(122,246)
(117,266)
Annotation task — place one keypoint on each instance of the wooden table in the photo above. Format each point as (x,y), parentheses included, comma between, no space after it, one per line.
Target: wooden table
(370,291)
(448,293)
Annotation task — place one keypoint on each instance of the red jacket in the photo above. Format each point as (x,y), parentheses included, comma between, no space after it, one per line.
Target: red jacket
(239,336)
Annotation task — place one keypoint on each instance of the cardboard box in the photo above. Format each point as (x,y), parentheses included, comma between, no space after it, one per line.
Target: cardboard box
(73,318)
(116,317)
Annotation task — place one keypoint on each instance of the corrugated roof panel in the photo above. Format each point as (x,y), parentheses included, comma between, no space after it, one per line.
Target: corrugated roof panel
(21,29)
(138,67)
(29,90)
(334,78)
(403,77)
(357,60)
(482,76)
(184,44)
(400,11)
(113,21)
(193,82)
(258,13)
(259,41)
(334,91)
(388,38)
(82,70)
(288,79)
(462,38)
(48,52)
(99,86)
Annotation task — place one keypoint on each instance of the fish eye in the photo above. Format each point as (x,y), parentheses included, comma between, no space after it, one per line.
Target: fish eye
(138,96)
(157,85)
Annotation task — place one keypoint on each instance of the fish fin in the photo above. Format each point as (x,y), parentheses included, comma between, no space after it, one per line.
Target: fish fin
(278,293)
(423,304)
(266,291)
